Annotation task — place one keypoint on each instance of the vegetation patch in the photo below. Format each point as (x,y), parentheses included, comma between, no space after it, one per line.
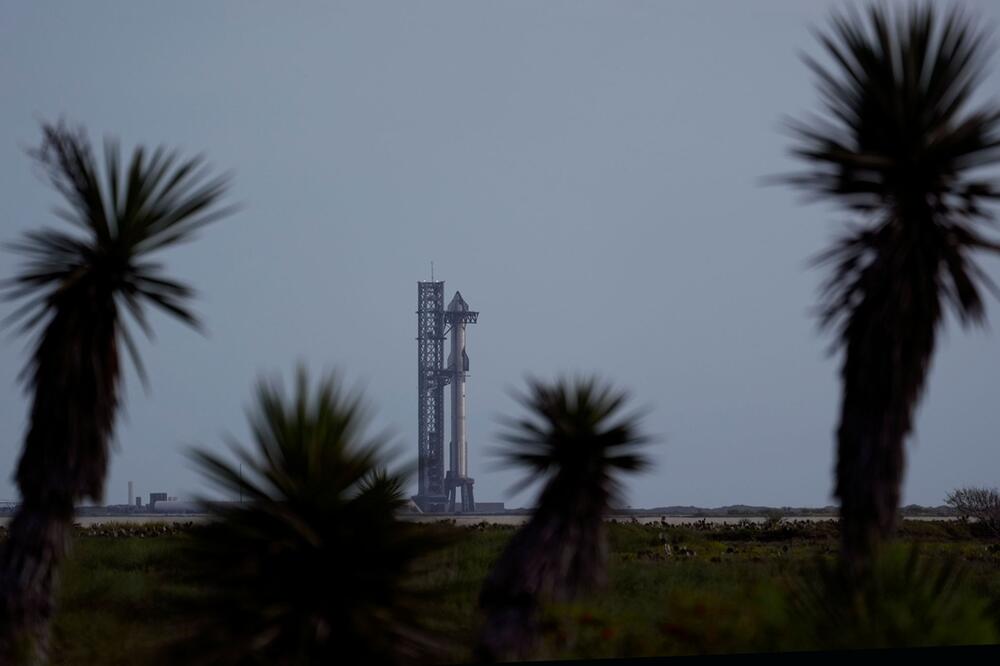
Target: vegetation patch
(740,590)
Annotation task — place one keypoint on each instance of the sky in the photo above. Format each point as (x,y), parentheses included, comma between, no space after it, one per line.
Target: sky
(588,174)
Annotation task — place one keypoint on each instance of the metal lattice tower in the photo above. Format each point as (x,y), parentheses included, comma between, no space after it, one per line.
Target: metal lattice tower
(430,395)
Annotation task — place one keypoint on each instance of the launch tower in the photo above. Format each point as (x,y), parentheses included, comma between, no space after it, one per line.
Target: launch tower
(438,490)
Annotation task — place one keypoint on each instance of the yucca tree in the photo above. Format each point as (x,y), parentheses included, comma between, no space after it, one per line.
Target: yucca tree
(576,440)
(313,566)
(77,288)
(900,145)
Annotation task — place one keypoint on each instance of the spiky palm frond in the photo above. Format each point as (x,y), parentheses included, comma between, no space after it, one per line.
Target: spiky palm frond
(575,436)
(901,147)
(314,566)
(576,440)
(121,215)
(900,144)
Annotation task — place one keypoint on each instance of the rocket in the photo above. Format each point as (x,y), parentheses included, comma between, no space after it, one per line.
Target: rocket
(458,365)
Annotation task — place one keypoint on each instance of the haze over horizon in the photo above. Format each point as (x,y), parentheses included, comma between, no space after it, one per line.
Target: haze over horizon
(588,174)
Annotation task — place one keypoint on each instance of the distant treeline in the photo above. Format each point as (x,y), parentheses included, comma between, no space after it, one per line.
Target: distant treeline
(785,511)
(746,510)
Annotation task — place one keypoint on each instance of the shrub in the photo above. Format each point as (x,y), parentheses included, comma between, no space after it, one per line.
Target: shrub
(315,566)
(979,504)
(906,600)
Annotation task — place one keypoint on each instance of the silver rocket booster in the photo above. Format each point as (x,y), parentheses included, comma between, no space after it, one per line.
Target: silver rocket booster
(458,363)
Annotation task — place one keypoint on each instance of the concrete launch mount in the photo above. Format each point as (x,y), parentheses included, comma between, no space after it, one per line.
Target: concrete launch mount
(437,488)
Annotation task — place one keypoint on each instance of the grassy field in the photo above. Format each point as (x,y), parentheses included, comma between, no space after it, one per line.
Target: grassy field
(721,589)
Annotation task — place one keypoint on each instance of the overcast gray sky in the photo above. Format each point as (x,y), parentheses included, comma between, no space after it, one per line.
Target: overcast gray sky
(586,173)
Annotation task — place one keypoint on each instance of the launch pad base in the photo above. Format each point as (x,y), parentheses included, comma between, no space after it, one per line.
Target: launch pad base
(455,484)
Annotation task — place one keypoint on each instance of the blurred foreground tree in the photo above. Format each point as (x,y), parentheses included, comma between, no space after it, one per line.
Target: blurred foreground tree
(899,147)
(78,287)
(577,442)
(313,566)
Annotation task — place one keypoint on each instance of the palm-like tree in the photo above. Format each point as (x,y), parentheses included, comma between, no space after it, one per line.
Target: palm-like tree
(77,288)
(901,147)
(313,566)
(577,441)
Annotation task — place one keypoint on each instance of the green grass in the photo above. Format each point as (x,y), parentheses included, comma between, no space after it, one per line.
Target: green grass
(114,599)
(120,588)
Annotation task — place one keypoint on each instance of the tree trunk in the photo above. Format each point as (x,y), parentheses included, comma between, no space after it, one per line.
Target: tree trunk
(890,341)
(74,375)
(870,465)
(560,552)
(37,541)
(510,596)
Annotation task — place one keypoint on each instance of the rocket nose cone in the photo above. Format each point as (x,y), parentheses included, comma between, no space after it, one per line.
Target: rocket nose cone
(458,303)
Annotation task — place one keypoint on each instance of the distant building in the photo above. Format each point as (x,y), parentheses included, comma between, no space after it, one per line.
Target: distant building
(172,506)
(138,502)
(490,507)
(156,497)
